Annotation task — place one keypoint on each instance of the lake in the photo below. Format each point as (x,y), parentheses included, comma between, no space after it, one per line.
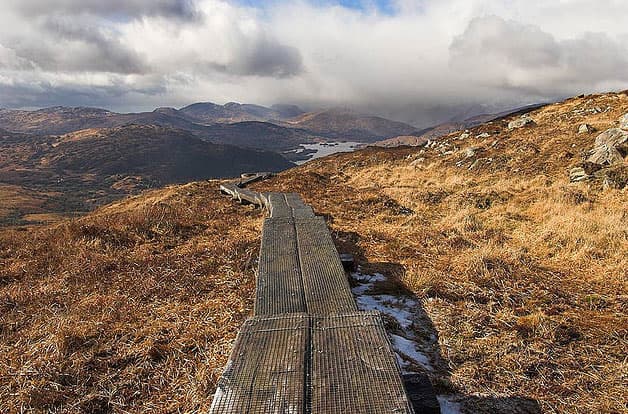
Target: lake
(319,150)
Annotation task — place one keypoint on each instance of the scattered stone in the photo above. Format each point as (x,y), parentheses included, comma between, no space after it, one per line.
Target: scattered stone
(464,136)
(417,162)
(470,152)
(585,129)
(608,146)
(525,120)
(484,135)
(578,174)
(623,122)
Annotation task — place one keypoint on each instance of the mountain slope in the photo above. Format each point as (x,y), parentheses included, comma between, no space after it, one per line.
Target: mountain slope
(513,278)
(208,113)
(94,166)
(348,125)
(435,132)
(521,273)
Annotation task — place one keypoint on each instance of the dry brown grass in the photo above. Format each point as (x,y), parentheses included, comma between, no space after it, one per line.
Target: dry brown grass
(523,274)
(132,308)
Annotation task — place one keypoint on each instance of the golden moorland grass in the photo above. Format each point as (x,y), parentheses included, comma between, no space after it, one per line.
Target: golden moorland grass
(131,309)
(134,307)
(523,273)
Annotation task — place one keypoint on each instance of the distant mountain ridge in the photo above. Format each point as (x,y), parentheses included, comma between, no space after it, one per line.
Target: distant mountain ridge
(350,125)
(280,127)
(87,168)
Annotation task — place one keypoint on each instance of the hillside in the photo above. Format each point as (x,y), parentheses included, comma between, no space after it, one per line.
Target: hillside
(437,131)
(91,167)
(350,126)
(515,276)
(259,135)
(207,112)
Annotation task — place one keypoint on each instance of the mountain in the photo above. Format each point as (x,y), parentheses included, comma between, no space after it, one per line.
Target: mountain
(90,167)
(207,112)
(62,120)
(505,274)
(348,125)
(260,135)
(280,128)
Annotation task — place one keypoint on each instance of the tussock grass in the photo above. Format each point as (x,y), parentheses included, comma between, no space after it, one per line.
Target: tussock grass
(132,308)
(522,273)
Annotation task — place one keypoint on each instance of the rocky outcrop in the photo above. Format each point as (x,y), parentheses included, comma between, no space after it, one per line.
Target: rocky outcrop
(610,147)
(524,121)
(605,161)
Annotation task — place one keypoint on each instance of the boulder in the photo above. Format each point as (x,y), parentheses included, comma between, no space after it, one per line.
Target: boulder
(578,174)
(623,122)
(521,122)
(585,129)
(610,147)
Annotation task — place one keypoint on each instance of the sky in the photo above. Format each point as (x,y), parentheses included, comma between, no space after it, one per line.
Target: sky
(418,61)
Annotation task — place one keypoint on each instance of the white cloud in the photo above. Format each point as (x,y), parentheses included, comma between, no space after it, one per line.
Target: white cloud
(430,60)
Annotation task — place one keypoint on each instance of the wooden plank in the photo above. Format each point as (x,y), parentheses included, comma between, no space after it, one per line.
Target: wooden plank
(278,205)
(266,370)
(229,189)
(354,370)
(325,283)
(247,179)
(421,393)
(249,196)
(299,208)
(279,282)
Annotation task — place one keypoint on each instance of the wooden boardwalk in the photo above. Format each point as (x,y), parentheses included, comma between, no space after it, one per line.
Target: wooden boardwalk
(307,349)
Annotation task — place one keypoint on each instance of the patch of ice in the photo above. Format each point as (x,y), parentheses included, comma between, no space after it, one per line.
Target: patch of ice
(448,405)
(402,310)
(407,349)
(377,277)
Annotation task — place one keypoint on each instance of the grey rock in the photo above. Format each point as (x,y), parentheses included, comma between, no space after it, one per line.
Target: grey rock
(470,152)
(607,147)
(585,129)
(612,137)
(623,122)
(521,122)
(578,174)
(464,136)
(484,135)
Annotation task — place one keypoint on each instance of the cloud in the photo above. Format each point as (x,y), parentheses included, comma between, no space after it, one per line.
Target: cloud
(117,9)
(419,61)
(499,52)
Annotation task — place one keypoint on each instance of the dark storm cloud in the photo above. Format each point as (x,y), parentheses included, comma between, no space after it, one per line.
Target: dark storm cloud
(265,57)
(116,9)
(23,94)
(88,48)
